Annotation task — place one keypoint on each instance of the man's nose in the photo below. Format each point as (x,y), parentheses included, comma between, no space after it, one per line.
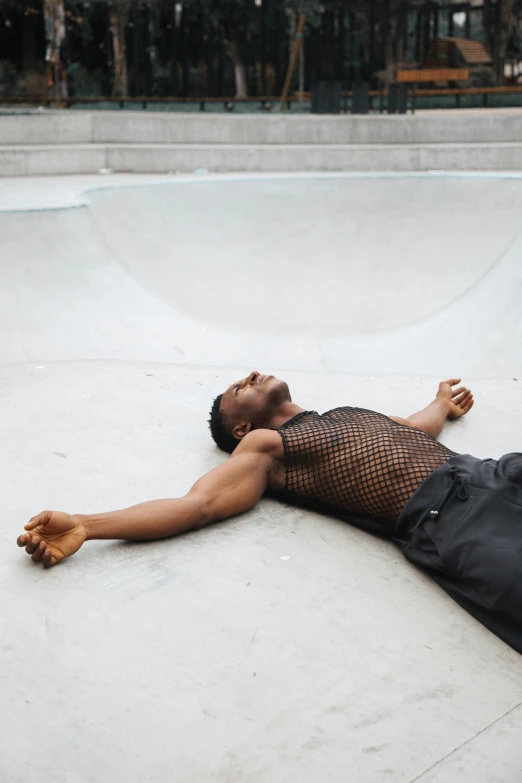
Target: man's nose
(254,375)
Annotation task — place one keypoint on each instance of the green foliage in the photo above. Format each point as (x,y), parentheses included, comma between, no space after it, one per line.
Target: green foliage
(481,76)
(21,6)
(514,42)
(9,79)
(192,56)
(84,84)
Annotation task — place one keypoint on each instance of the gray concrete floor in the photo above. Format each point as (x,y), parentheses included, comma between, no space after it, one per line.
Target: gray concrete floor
(282,646)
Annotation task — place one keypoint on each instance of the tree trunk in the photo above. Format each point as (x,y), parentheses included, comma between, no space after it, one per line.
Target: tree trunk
(401,33)
(291,32)
(301,73)
(488,28)
(500,38)
(28,43)
(426,31)
(121,81)
(387,43)
(237,53)
(241,82)
(329,45)
(54,21)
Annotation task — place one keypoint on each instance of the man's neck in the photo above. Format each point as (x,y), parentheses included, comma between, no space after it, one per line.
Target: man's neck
(283,414)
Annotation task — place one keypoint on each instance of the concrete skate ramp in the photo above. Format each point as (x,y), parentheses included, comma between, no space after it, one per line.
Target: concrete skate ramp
(282,646)
(381,274)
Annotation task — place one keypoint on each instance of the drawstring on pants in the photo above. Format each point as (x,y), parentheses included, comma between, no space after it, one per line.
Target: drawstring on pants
(459,488)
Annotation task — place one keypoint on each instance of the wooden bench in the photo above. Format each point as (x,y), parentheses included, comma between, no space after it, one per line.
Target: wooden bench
(435,75)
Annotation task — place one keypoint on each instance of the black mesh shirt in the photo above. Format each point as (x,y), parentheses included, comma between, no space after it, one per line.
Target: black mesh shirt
(356,462)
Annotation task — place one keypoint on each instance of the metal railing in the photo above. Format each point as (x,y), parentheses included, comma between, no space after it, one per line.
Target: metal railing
(377,99)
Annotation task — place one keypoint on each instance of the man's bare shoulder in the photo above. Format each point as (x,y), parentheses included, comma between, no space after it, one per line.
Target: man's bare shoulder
(261,442)
(265,447)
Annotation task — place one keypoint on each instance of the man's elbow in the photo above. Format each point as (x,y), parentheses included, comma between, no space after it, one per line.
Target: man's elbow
(399,420)
(200,511)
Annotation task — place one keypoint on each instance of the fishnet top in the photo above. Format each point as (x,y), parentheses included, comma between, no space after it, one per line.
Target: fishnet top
(355,461)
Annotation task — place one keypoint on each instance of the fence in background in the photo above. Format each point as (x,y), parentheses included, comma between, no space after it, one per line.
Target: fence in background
(472,97)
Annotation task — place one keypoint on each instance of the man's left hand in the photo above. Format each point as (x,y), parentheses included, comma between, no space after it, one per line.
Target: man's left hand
(460,401)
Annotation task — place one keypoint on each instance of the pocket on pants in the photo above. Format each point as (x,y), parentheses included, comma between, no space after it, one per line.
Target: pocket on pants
(481,549)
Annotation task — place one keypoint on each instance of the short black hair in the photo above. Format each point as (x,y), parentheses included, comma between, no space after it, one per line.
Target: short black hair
(218,428)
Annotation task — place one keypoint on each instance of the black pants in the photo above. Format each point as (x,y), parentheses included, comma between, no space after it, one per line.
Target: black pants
(464,526)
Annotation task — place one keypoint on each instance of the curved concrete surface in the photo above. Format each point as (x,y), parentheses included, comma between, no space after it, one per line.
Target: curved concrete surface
(339,273)
(282,646)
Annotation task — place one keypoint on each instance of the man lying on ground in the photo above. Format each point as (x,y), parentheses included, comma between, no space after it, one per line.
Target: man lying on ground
(458,517)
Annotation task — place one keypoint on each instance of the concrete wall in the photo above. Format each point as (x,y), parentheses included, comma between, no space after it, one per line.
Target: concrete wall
(84,142)
(157,159)
(153,128)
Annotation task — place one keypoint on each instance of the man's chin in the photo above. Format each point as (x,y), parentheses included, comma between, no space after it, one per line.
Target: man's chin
(279,390)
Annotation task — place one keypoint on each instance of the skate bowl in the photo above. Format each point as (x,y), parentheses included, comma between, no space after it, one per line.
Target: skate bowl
(306,273)
(282,646)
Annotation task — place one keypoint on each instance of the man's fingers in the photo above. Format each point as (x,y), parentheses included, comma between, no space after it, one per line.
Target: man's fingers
(462,398)
(32,544)
(452,381)
(47,559)
(458,391)
(462,404)
(466,406)
(26,539)
(38,552)
(40,519)
(458,400)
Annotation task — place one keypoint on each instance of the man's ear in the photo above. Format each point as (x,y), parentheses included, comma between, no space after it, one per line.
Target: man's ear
(240,430)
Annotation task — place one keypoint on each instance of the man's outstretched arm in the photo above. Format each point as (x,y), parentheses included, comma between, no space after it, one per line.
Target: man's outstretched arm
(233,487)
(449,403)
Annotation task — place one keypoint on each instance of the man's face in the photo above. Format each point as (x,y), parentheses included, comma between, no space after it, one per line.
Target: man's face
(254,400)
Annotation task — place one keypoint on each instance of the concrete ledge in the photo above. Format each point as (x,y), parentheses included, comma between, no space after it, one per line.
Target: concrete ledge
(51,128)
(164,158)
(155,128)
(308,129)
(85,142)
(49,159)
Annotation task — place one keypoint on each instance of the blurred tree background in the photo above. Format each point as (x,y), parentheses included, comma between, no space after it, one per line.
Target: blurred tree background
(235,47)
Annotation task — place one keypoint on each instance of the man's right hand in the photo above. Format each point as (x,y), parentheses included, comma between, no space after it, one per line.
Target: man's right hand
(52,536)
(232,488)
